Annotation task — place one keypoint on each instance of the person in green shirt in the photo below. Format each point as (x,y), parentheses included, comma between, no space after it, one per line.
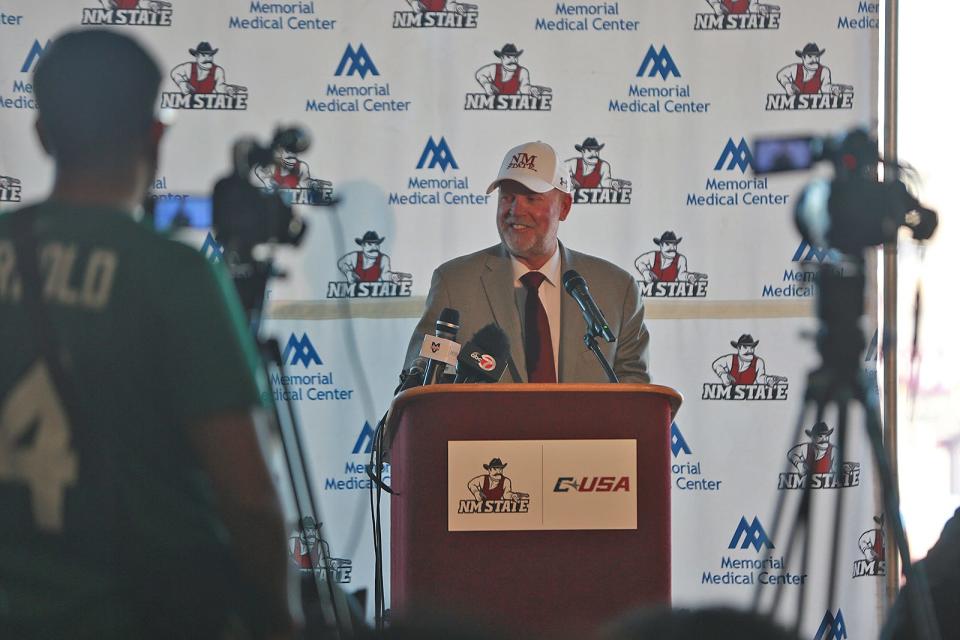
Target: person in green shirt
(143,507)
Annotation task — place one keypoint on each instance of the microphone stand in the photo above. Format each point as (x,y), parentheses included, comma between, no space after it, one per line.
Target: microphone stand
(590,339)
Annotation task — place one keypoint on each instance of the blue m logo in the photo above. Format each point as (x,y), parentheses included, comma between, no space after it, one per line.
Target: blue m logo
(364,442)
(806,252)
(677,443)
(658,63)
(300,350)
(437,154)
(735,155)
(752,534)
(832,627)
(359,61)
(35,52)
(211,249)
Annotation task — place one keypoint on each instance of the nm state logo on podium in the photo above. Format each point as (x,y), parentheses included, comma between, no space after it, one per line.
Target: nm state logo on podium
(138,13)
(441,14)
(493,492)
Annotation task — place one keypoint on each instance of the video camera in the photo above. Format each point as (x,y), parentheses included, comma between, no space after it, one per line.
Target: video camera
(854,210)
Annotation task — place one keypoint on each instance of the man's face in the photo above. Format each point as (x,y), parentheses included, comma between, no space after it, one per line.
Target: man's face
(822,440)
(371,249)
(509,62)
(204,60)
(495,472)
(590,155)
(669,249)
(746,352)
(527,221)
(811,60)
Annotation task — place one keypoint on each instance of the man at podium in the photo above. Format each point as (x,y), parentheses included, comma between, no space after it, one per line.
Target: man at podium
(517,284)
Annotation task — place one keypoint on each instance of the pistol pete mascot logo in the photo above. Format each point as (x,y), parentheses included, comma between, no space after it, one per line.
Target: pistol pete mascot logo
(290,175)
(140,13)
(304,547)
(506,86)
(743,375)
(664,274)
(808,85)
(738,15)
(493,492)
(10,189)
(818,464)
(592,180)
(367,273)
(446,14)
(873,546)
(203,84)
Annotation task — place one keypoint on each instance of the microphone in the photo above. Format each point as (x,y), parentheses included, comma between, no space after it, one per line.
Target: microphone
(576,286)
(441,347)
(484,357)
(412,377)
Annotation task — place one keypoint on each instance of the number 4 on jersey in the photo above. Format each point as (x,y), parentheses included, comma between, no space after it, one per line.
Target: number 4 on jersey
(35,445)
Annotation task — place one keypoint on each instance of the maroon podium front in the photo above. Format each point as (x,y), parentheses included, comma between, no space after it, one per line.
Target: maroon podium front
(561,582)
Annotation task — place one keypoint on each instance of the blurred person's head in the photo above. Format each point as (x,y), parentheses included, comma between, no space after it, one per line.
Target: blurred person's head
(96,95)
(716,623)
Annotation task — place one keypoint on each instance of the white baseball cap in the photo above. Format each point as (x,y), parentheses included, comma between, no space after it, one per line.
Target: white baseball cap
(536,166)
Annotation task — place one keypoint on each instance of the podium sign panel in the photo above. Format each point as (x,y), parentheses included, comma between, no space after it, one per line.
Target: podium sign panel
(522,485)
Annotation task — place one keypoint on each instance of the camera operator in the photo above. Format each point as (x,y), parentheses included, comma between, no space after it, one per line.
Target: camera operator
(135,497)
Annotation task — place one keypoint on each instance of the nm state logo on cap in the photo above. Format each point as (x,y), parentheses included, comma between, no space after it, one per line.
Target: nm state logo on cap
(743,375)
(445,14)
(809,85)
(139,13)
(507,86)
(9,189)
(737,15)
(300,350)
(202,84)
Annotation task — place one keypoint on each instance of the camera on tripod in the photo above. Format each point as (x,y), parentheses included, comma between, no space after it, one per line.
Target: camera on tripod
(854,210)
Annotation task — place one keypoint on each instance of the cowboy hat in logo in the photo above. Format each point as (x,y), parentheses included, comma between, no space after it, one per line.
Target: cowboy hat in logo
(568,18)
(808,85)
(664,274)
(506,85)
(305,546)
(10,189)
(592,179)
(872,544)
(493,492)
(817,463)
(137,13)
(738,15)
(446,14)
(290,175)
(367,273)
(203,84)
(654,88)
(743,375)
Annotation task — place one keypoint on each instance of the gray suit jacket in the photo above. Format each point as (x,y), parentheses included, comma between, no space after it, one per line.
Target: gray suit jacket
(480,287)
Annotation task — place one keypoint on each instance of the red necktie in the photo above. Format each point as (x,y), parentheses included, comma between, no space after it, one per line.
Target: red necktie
(537,345)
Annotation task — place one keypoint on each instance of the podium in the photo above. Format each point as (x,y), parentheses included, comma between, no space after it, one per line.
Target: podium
(567,556)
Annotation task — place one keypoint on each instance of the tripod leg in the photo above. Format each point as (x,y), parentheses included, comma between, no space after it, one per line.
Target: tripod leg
(837,468)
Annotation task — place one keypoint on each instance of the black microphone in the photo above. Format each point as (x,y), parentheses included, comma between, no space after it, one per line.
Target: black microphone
(446,328)
(412,377)
(484,357)
(576,286)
